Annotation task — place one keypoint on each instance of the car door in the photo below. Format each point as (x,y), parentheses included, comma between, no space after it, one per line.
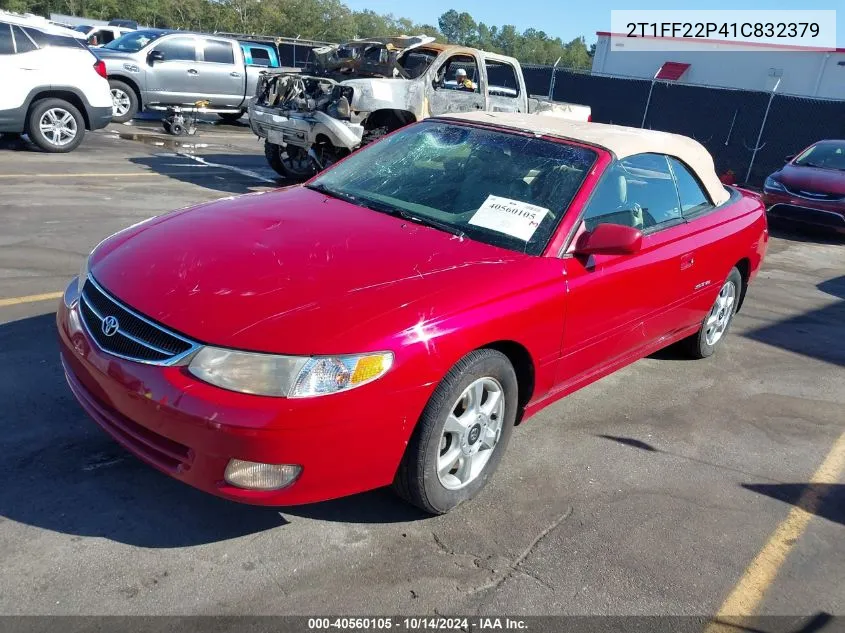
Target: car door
(618,306)
(220,79)
(446,95)
(706,266)
(175,78)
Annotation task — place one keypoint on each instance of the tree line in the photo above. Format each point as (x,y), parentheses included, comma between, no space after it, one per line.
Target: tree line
(325,20)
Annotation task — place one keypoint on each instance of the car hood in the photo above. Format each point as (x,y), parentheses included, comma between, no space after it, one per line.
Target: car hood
(813,179)
(294,271)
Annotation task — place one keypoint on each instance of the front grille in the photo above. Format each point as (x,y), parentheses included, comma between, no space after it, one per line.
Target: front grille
(807,216)
(136,337)
(814,195)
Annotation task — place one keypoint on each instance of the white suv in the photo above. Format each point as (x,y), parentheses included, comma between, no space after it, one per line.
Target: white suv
(52,88)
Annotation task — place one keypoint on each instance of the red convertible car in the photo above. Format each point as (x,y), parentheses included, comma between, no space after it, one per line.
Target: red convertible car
(391,320)
(810,189)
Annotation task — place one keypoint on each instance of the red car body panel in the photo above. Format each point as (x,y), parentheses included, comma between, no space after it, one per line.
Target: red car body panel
(296,272)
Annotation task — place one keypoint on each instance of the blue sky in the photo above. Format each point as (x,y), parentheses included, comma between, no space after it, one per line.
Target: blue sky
(568,20)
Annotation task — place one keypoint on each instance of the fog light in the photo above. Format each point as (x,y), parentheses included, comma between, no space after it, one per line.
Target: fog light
(258,476)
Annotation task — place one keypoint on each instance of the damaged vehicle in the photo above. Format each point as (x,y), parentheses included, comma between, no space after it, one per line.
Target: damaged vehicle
(357,92)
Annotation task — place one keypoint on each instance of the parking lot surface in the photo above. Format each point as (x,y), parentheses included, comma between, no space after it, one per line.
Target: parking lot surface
(666,488)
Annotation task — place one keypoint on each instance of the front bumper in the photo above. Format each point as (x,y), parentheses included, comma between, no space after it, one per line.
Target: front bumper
(817,213)
(345,443)
(303,130)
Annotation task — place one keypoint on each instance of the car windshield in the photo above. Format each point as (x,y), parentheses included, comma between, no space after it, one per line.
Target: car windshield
(826,155)
(134,41)
(505,189)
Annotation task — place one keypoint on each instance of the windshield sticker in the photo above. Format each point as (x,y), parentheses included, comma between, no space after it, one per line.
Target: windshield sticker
(511,217)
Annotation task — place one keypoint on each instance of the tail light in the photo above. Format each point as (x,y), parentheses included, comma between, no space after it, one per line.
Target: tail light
(100,68)
(590,118)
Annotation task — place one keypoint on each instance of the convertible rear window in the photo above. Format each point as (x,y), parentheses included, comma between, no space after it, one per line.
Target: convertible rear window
(505,189)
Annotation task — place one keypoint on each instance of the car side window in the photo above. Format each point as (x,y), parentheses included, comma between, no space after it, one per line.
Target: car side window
(7,44)
(178,49)
(218,52)
(260,57)
(22,43)
(637,191)
(459,72)
(501,79)
(692,195)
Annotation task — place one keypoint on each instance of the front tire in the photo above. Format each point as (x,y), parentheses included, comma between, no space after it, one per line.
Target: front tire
(55,126)
(462,434)
(124,101)
(718,321)
(293,164)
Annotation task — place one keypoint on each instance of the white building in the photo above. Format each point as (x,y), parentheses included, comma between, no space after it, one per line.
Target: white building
(801,72)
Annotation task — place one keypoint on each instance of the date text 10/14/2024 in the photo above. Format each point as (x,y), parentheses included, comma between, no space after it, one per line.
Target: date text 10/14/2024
(417,624)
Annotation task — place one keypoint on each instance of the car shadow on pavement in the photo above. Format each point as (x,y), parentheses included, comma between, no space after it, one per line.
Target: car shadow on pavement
(206,172)
(823,500)
(62,473)
(815,333)
(793,232)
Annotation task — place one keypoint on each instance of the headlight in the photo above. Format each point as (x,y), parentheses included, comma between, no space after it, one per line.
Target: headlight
(342,107)
(773,184)
(287,376)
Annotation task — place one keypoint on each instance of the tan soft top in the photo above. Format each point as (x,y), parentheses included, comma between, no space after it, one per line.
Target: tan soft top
(622,141)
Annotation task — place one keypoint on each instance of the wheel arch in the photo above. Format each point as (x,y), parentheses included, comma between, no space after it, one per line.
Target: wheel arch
(523,364)
(132,84)
(58,93)
(744,268)
(391,118)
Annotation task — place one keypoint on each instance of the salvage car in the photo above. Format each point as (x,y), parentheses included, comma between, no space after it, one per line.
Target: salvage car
(810,189)
(357,92)
(392,319)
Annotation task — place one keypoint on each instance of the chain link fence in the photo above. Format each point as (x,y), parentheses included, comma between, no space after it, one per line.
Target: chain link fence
(727,122)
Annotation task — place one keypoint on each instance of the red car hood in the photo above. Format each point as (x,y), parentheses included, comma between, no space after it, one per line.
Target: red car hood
(293,271)
(813,179)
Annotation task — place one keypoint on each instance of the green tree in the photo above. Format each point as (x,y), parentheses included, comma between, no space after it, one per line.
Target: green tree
(458,28)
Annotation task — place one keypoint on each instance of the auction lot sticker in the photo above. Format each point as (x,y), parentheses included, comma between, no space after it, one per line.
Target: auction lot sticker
(511,217)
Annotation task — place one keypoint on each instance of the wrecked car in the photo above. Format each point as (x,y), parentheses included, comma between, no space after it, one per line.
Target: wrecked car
(356,92)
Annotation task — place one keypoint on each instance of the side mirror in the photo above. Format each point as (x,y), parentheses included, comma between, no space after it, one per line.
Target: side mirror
(789,158)
(610,239)
(155,56)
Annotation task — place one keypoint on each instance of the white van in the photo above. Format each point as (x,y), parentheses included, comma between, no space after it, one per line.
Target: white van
(52,88)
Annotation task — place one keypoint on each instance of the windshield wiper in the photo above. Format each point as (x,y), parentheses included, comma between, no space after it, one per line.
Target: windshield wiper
(384,207)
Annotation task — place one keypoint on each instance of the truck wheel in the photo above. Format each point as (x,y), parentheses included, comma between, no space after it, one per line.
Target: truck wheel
(292,163)
(55,125)
(230,117)
(124,102)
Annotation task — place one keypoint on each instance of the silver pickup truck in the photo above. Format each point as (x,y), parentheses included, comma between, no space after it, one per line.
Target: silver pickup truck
(364,89)
(154,67)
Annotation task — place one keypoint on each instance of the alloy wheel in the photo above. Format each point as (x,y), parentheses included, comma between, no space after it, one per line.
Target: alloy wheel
(720,314)
(58,126)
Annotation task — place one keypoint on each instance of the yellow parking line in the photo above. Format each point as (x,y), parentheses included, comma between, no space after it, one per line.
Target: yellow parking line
(748,592)
(13,301)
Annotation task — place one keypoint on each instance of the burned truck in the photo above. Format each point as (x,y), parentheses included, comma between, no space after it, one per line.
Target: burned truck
(356,92)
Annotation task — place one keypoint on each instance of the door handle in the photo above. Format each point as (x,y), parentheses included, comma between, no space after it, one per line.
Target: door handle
(192,71)
(234,74)
(687,261)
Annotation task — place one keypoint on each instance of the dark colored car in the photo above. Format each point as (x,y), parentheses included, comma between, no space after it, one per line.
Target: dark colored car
(810,188)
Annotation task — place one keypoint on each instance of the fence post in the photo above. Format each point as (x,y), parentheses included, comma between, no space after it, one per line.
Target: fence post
(648,101)
(760,134)
(552,80)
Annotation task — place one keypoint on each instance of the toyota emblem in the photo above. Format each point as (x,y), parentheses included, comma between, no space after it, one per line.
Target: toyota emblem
(110,326)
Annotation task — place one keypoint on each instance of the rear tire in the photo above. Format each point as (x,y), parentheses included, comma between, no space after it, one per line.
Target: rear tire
(427,476)
(55,126)
(230,117)
(718,321)
(124,101)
